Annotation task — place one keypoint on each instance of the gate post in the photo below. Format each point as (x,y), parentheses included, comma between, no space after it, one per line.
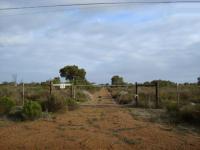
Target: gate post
(71,91)
(177,92)
(50,87)
(136,94)
(74,93)
(23,94)
(157,94)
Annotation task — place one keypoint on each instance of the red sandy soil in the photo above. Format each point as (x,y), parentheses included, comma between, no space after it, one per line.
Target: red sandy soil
(94,128)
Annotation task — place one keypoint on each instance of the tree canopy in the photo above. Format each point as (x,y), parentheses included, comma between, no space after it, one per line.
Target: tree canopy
(117,80)
(56,80)
(163,83)
(73,72)
(198,80)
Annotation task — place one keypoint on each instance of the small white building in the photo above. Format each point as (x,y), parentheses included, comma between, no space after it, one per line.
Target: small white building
(62,85)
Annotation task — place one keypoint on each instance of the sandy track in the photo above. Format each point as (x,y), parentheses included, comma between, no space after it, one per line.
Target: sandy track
(94,128)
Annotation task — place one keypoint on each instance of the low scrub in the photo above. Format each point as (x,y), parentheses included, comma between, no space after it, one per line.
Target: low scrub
(32,110)
(172,107)
(71,104)
(81,96)
(16,114)
(55,103)
(188,113)
(6,105)
(123,97)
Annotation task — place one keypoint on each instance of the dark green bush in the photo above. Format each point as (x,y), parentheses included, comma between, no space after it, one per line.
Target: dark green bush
(55,103)
(125,98)
(16,114)
(173,112)
(81,96)
(71,104)
(172,107)
(190,113)
(32,110)
(187,113)
(6,104)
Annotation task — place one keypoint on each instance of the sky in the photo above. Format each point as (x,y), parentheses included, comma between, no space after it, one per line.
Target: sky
(138,42)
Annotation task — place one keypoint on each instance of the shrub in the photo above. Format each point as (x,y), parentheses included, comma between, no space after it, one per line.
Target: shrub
(32,110)
(81,96)
(71,104)
(125,98)
(6,104)
(55,103)
(173,111)
(190,113)
(172,107)
(16,113)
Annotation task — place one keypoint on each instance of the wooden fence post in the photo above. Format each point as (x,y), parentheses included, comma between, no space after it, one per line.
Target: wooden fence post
(136,94)
(74,92)
(177,92)
(50,87)
(71,91)
(157,94)
(23,94)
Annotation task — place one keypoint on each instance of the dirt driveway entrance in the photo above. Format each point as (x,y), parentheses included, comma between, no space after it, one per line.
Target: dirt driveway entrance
(94,128)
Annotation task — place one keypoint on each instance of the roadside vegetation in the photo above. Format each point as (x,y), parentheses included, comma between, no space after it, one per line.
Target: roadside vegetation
(37,100)
(181,105)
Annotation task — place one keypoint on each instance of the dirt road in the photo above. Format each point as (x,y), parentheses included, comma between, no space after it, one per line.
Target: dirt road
(91,128)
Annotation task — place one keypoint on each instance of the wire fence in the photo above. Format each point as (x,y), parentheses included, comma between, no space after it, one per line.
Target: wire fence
(180,94)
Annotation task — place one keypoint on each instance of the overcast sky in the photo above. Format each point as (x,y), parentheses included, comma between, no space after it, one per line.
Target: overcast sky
(138,42)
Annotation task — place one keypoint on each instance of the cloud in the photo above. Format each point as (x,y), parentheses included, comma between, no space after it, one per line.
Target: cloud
(141,42)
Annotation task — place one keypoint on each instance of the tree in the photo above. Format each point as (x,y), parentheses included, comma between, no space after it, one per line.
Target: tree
(198,80)
(163,83)
(73,72)
(56,80)
(117,80)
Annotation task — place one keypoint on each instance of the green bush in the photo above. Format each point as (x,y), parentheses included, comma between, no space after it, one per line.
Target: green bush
(173,112)
(172,107)
(81,97)
(55,103)
(71,104)
(6,104)
(190,113)
(125,98)
(32,110)
(16,114)
(187,113)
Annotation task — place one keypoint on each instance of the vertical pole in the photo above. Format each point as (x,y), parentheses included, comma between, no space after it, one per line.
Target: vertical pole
(74,92)
(50,87)
(177,92)
(23,94)
(149,99)
(157,95)
(136,94)
(71,91)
